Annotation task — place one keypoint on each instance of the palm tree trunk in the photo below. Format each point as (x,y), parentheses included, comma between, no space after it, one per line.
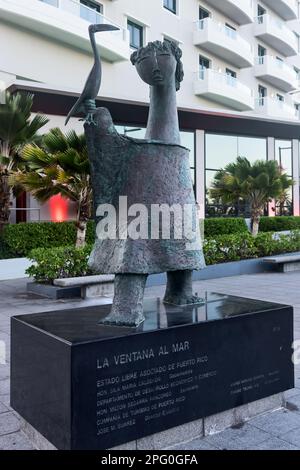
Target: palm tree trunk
(4,199)
(81,233)
(81,224)
(255,219)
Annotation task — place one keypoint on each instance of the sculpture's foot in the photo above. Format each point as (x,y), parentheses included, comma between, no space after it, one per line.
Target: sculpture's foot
(89,119)
(123,319)
(179,289)
(127,308)
(182,300)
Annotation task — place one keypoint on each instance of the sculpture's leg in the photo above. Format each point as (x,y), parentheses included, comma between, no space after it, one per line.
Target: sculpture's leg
(127,308)
(179,289)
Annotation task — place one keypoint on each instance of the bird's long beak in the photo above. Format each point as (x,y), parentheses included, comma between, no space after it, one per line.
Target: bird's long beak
(105,27)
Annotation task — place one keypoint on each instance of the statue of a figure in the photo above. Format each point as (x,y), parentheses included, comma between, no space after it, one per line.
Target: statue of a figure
(136,176)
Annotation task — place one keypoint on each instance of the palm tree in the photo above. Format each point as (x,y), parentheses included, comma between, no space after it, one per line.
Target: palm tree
(256,184)
(59,165)
(16,129)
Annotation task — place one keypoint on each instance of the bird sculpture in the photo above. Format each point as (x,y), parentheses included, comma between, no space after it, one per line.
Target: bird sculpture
(87,101)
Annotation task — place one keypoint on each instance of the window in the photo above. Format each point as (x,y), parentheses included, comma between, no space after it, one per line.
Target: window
(283,155)
(261,11)
(171,5)
(230,31)
(298,39)
(204,64)
(203,13)
(91,11)
(262,51)
(220,151)
(188,141)
(297,110)
(231,77)
(262,94)
(54,3)
(136,33)
(279,98)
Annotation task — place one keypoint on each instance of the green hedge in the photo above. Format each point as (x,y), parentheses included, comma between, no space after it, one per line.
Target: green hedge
(65,262)
(5,251)
(224,226)
(59,263)
(279,224)
(21,239)
(243,246)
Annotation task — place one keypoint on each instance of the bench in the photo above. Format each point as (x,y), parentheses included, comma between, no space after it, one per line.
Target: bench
(91,286)
(287,264)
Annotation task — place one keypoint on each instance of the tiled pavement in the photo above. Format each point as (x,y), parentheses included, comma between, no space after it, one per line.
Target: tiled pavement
(277,430)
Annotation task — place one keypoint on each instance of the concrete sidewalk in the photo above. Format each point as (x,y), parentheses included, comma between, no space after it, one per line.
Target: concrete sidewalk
(277,430)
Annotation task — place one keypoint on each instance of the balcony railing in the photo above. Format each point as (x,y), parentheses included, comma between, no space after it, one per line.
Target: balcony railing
(224,42)
(54,3)
(279,64)
(223,79)
(201,25)
(274,107)
(275,33)
(86,13)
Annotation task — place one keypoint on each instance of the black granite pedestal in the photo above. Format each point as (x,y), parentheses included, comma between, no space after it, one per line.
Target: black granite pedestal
(87,386)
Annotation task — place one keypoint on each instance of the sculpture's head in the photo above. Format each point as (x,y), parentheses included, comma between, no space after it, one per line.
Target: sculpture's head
(159,63)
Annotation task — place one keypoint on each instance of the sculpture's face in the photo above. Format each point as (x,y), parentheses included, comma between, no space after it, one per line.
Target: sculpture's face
(157,68)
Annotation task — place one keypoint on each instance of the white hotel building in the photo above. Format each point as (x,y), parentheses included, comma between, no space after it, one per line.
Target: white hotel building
(240,95)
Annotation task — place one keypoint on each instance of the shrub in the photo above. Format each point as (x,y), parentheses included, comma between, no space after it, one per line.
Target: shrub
(59,263)
(279,224)
(224,226)
(229,248)
(63,262)
(5,251)
(23,238)
(268,244)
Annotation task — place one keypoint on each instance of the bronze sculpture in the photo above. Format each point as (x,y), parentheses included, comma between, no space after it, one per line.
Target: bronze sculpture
(150,172)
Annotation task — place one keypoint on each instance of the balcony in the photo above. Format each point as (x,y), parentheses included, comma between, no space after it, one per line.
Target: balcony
(224,42)
(275,108)
(276,34)
(66,21)
(277,73)
(223,89)
(287,9)
(241,12)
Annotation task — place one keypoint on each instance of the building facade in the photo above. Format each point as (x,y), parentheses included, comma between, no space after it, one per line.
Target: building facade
(240,95)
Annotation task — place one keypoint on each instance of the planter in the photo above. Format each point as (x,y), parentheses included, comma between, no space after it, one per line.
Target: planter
(53,292)
(216,271)
(13,268)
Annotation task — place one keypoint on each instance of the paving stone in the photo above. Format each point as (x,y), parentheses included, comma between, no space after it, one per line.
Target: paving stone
(161,440)
(4,387)
(4,371)
(277,423)
(292,437)
(15,441)
(5,399)
(238,438)
(275,444)
(3,408)
(196,444)
(294,401)
(8,423)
